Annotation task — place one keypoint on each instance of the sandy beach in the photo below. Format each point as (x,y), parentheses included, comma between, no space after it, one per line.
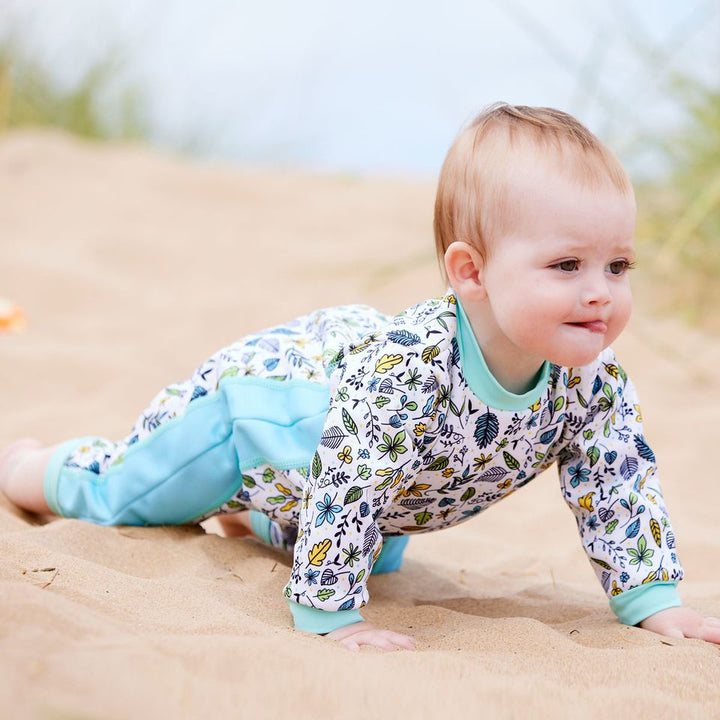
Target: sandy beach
(132,267)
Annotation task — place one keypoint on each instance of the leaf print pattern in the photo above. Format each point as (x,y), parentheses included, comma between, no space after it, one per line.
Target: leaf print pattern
(407,447)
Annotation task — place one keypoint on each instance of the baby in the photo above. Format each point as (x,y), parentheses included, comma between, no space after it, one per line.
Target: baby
(345,431)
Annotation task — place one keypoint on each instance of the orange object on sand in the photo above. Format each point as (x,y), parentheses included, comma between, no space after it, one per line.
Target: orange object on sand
(12,318)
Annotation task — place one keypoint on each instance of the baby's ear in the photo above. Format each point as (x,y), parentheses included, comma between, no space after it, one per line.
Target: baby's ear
(464,267)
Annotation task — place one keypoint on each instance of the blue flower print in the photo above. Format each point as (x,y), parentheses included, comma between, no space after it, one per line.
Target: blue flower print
(327,510)
(578,474)
(364,454)
(311,576)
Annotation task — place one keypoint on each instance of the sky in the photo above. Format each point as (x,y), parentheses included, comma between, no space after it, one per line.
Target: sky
(377,87)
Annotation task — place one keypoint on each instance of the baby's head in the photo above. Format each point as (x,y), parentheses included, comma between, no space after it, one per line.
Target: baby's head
(534,224)
(487,169)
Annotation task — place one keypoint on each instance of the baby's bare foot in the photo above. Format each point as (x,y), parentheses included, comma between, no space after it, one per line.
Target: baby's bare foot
(12,454)
(22,473)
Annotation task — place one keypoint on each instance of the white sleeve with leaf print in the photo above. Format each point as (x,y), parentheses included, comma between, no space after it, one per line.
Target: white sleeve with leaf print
(609,479)
(380,391)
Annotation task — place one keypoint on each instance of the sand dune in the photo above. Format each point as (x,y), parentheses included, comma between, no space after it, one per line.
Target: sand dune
(131,268)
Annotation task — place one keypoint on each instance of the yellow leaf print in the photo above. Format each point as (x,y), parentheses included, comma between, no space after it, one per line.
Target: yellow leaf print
(572,382)
(447,472)
(345,455)
(385,471)
(650,578)
(387,362)
(611,370)
(615,589)
(586,501)
(505,484)
(289,505)
(482,461)
(398,478)
(415,489)
(283,489)
(638,413)
(318,552)
(535,406)
(429,353)
(360,347)
(419,429)
(655,529)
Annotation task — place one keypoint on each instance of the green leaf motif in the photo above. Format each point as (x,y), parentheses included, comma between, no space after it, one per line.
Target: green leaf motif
(269,475)
(349,423)
(364,472)
(381,401)
(559,402)
(325,593)
(248,482)
(601,563)
(608,392)
(594,454)
(422,517)
(611,526)
(470,492)
(352,495)
(510,461)
(581,399)
(439,463)
(316,466)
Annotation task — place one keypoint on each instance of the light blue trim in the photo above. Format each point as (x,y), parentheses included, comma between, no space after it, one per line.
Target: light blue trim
(633,606)
(260,524)
(391,555)
(52,472)
(193,463)
(313,620)
(481,380)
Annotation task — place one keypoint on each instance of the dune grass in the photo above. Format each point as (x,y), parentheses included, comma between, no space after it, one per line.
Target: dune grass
(679,215)
(29,96)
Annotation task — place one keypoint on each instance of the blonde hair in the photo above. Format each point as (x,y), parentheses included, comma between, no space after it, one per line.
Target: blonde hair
(471,200)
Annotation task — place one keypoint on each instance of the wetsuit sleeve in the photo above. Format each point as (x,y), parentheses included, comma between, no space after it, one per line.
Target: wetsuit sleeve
(369,451)
(609,479)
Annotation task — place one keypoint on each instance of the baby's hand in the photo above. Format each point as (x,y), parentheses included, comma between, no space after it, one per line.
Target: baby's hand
(363,633)
(682,622)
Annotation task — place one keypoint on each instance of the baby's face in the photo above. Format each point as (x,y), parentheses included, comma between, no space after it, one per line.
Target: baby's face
(557,273)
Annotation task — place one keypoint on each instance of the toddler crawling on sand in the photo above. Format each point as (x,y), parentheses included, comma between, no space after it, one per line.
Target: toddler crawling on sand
(345,431)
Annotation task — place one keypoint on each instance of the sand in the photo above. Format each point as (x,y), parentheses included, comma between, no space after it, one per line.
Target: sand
(131,267)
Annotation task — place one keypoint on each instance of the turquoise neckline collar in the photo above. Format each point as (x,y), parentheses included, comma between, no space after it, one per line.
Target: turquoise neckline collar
(479,378)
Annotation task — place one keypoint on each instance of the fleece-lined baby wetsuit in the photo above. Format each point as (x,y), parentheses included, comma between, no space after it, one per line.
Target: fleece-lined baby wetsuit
(346,426)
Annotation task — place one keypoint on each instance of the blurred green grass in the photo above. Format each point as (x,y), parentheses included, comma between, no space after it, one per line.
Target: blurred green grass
(678,236)
(29,96)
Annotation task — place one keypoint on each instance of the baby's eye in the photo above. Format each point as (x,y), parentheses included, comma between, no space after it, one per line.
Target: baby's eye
(568,265)
(618,267)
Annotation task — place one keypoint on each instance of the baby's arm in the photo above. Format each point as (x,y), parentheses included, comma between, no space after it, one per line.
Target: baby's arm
(366,455)
(680,622)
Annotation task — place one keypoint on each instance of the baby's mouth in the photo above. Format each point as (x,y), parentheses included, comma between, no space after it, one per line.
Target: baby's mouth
(593,326)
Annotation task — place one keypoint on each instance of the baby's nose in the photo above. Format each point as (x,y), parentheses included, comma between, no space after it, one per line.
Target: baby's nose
(596,291)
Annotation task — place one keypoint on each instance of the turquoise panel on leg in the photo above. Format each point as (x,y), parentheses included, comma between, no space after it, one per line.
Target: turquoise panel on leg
(391,555)
(193,464)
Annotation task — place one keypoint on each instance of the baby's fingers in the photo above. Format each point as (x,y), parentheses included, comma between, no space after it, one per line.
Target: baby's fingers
(710,630)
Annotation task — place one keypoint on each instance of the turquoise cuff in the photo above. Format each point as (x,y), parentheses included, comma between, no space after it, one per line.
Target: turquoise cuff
(260,525)
(313,620)
(633,606)
(51,480)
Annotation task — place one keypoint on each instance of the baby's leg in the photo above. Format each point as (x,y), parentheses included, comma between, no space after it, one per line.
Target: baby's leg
(235,524)
(22,474)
